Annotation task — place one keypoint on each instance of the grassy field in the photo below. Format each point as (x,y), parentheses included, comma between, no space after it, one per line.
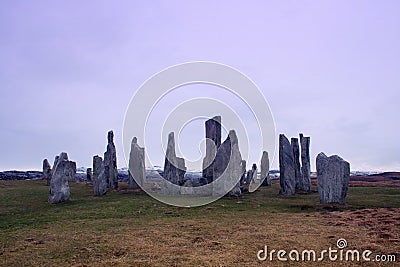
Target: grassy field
(125,228)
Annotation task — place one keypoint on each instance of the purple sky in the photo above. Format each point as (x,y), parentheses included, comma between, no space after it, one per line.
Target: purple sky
(68,70)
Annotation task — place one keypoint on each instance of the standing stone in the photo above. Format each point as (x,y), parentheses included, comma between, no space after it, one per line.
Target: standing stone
(213,141)
(46,171)
(71,171)
(264,164)
(174,167)
(243,178)
(59,188)
(286,167)
(251,174)
(228,167)
(99,178)
(110,162)
(296,159)
(137,169)
(333,178)
(89,176)
(305,181)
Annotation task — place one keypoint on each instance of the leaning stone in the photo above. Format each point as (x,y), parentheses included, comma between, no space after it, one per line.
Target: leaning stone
(137,169)
(46,171)
(110,162)
(333,178)
(99,178)
(286,167)
(305,181)
(59,188)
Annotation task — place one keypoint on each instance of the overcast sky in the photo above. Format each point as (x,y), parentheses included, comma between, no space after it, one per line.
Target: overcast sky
(68,69)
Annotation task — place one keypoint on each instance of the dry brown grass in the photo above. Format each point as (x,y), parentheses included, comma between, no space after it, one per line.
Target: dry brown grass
(215,235)
(230,241)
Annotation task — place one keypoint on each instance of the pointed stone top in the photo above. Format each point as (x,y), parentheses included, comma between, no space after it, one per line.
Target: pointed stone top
(134,140)
(110,137)
(232,136)
(217,118)
(63,156)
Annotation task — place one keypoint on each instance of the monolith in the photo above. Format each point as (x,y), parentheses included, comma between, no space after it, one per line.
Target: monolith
(333,178)
(228,167)
(99,178)
(137,169)
(294,142)
(264,165)
(46,171)
(305,179)
(59,188)
(213,141)
(286,167)
(110,162)
(174,167)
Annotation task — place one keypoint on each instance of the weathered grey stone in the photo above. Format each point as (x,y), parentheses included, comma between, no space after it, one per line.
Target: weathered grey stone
(243,178)
(110,162)
(264,165)
(55,163)
(228,166)
(286,167)
(46,171)
(333,178)
(213,141)
(251,174)
(89,176)
(137,169)
(59,188)
(294,142)
(305,181)
(71,171)
(174,167)
(99,178)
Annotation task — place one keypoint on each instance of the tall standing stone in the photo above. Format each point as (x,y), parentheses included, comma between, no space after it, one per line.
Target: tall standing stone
(264,165)
(305,181)
(59,188)
(294,142)
(110,162)
(46,171)
(213,141)
(228,166)
(99,178)
(174,167)
(286,167)
(137,169)
(333,178)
